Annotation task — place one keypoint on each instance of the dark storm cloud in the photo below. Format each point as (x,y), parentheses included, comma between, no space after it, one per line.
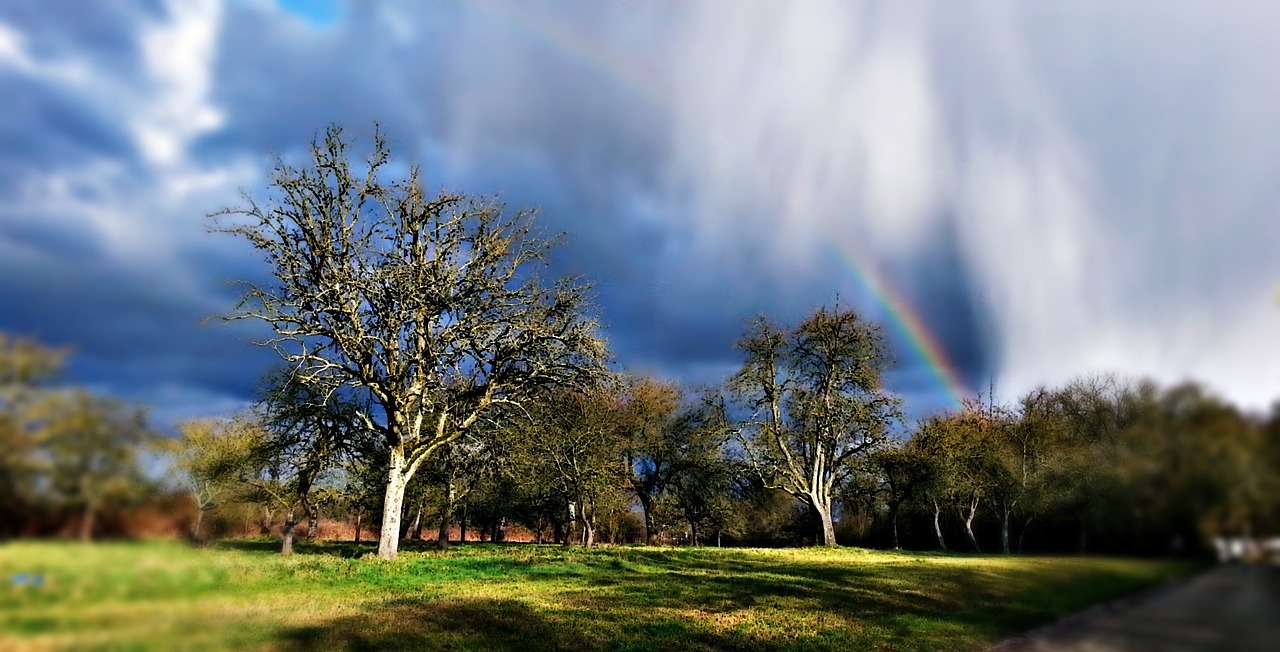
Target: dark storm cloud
(43,127)
(949,302)
(129,330)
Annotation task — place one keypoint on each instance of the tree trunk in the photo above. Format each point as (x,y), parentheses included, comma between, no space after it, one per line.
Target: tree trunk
(86,523)
(286,536)
(1022,535)
(646,506)
(826,532)
(198,526)
(359,523)
(392,505)
(405,523)
(586,518)
(693,532)
(313,522)
(1004,532)
(970,511)
(462,523)
(442,537)
(893,519)
(264,524)
(415,528)
(937,526)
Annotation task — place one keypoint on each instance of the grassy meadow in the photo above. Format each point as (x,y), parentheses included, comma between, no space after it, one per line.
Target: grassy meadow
(240,595)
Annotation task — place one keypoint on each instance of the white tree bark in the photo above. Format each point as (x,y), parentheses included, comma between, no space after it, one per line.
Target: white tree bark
(392,506)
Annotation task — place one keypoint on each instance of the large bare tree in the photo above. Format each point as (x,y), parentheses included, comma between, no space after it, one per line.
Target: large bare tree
(431,304)
(817,401)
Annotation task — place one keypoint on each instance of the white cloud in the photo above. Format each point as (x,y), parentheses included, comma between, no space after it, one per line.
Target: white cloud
(178,53)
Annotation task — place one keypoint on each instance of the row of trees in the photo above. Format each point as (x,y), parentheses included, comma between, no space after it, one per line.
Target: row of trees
(422,328)
(1097,464)
(1101,462)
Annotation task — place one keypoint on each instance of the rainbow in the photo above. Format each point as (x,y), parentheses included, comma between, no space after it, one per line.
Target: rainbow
(597,56)
(904,318)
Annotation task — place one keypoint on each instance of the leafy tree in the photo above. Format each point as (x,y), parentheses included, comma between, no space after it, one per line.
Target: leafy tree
(930,450)
(207,456)
(429,304)
(702,476)
(816,397)
(570,440)
(904,475)
(457,472)
(312,426)
(94,445)
(647,417)
(959,445)
(1026,454)
(26,368)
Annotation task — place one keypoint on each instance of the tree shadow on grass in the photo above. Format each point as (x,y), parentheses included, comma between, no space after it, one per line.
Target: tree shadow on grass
(673,602)
(407,624)
(653,599)
(905,601)
(492,624)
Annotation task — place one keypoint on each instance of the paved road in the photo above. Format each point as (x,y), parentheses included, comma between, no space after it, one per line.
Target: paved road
(1234,608)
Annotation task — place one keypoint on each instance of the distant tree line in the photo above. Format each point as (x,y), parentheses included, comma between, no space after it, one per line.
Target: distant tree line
(1098,465)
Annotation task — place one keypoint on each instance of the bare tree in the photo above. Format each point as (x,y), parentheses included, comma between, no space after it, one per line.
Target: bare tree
(817,400)
(430,304)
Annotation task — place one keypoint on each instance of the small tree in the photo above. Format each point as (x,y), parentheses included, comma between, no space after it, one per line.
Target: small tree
(431,305)
(646,418)
(961,447)
(570,441)
(311,428)
(206,457)
(703,478)
(904,475)
(817,400)
(93,445)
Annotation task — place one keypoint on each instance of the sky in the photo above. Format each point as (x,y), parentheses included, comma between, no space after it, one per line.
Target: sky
(1021,193)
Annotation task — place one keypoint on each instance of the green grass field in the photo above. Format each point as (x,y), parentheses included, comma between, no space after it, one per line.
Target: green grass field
(239,595)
